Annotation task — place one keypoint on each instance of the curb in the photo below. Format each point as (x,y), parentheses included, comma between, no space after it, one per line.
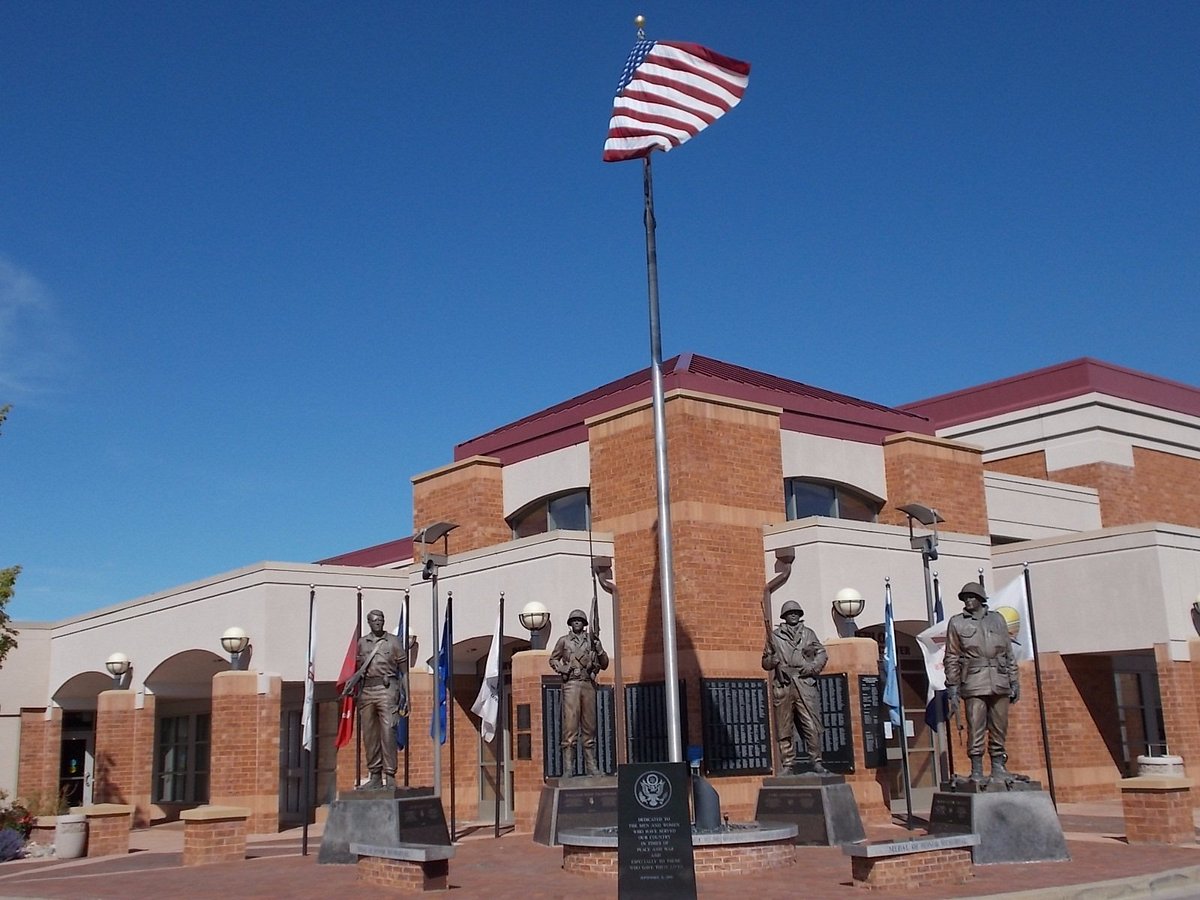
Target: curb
(1158,884)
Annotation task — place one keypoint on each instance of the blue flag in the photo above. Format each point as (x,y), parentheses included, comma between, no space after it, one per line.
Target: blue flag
(443,671)
(891,679)
(402,717)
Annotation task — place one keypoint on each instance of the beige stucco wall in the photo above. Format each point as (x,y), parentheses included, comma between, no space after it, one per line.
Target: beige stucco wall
(850,462)
(22,684)
(1030,508)
(561,470)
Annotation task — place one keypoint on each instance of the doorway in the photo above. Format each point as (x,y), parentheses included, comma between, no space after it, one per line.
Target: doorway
(77,757)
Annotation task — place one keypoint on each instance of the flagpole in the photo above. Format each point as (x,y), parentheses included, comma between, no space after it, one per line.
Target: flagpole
(1037,677)
(891,638)
(307,723)
(407,682)
(941,701)
(502,743)
(436,729)
(665,553)
(357,705)
(449,693)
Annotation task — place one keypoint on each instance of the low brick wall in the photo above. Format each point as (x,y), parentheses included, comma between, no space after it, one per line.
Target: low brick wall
(108,828)
(728,859)
(1158,810)
(913,871)
(403,874)
(213,834)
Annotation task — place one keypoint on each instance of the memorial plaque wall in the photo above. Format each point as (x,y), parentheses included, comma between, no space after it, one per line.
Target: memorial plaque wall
(872,712)
(646,720)
(837,736)
(736,722)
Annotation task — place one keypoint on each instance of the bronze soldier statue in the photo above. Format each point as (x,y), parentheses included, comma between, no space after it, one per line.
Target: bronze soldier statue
(578,658)
(981,670)
(795,657)
(381,681)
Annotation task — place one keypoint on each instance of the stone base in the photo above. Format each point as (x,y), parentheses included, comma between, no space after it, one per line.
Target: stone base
(1013,825)
(822,807)
(581,802)
(385,818)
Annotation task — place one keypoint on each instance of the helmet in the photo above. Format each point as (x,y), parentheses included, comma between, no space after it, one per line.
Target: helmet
(577,614)
(973,588)
(790,606)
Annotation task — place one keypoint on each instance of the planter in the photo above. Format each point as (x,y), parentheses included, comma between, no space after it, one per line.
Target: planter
(70,837)
(42,830)
(1169,766)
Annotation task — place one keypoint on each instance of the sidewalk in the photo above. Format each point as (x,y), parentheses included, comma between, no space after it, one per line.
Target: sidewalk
(514,866)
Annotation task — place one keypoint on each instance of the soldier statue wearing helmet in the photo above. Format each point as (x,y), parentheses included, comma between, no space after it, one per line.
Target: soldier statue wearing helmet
(795,658)
(981,670)
(578,657)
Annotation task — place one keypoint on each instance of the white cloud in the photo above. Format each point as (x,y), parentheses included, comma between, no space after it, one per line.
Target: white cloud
(34,342)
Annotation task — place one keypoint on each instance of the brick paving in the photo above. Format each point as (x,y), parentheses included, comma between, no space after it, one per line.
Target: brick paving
(513,866)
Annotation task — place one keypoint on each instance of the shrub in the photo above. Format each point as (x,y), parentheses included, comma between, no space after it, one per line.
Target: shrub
(12,845)
(15,816)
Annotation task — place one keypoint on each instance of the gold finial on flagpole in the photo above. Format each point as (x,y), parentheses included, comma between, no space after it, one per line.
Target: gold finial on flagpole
(640,21)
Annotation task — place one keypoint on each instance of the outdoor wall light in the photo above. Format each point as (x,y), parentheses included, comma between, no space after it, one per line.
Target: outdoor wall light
(118,666)
(235,641)
(534,619)
(848,603)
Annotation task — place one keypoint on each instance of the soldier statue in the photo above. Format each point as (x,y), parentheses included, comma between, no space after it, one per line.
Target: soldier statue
(578,657)
(381,681)
(981,670)
(795,657)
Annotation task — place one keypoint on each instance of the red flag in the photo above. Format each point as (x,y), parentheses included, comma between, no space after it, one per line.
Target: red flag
(346,709)
(670,91)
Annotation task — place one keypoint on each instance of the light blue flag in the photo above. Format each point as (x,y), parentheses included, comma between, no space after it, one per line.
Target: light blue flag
(443,671)
(891,678)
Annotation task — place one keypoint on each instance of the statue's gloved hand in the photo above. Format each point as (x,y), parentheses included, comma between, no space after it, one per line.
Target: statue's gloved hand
(952,697)
(1014,692)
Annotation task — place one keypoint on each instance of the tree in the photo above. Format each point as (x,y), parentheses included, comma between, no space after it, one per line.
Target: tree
(8,578)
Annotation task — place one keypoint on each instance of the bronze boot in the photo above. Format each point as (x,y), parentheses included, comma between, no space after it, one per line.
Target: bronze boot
(999,771)
(976,776)
(568,762)
(590,766)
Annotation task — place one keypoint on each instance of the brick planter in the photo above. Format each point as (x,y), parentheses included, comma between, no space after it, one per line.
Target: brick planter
(108,827)
(406,867)
(213,834)
(735,853)
(915,864)
(1158,810)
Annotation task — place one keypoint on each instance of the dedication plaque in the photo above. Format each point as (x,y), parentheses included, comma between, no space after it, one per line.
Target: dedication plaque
(735,718)
(871,710)
(654,834)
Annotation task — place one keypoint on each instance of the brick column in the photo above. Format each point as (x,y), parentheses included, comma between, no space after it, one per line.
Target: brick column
(244,759)
(528,667)
(38,757)
(124,752)
(469,493)
(1179,687)
(860,656)
(1158,810)
(934,472)
(108,828)
(214,834)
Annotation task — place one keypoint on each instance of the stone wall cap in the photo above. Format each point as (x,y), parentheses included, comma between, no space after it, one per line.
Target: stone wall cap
(214,813)
(99,810)
(1157,783)
(920,844)
(405,852)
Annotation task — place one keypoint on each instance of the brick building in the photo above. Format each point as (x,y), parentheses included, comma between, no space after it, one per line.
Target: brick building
(1085,471)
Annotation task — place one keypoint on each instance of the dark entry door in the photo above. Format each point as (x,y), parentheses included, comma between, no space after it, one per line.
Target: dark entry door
(73,770)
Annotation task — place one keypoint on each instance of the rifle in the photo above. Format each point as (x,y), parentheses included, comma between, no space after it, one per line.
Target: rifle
(784,557)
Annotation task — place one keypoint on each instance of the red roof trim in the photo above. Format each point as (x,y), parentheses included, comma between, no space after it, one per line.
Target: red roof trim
(1053,383)
(374,557)
(805,408)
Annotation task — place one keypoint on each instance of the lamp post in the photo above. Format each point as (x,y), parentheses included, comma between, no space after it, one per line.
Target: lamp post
(235,641)
(534,618)
(847,604)
(118,666)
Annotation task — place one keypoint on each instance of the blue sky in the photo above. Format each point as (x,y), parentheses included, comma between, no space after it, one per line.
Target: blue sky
(261,263)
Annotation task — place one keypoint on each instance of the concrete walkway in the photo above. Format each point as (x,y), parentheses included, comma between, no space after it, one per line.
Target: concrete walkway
(1102,866)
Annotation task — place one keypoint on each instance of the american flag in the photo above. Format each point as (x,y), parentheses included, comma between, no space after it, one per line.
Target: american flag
(669,92)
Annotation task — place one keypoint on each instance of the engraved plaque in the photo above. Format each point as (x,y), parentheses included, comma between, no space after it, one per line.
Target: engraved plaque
(735,718)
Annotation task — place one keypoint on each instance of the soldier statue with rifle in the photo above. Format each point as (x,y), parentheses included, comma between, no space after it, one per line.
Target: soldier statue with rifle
(381,685)
(795,657)
(578,657)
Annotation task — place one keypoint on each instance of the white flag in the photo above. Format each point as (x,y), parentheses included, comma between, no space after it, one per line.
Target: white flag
(933,648)
(306,717)
(487,704)
(1010,602)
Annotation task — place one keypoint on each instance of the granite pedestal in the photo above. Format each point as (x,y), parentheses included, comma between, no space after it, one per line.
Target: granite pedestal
(821,807)
(1015,823)
(583,802)
(385,818)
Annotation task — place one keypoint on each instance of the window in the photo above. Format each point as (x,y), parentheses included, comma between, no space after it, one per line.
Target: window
(809,497)
(181,759)
(569,512)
